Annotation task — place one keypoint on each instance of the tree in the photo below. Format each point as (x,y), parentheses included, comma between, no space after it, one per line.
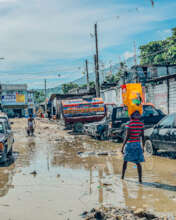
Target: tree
(68,86)
(39,96)
(116,77)
(159,52)
(91,85)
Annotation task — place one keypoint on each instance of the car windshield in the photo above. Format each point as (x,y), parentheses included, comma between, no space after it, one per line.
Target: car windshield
(1,128)
(149,110)
(121,113)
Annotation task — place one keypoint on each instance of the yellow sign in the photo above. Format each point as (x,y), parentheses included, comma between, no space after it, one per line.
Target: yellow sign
(20,98)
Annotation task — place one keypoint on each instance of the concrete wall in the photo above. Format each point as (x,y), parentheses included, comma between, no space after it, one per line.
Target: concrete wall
(112,95)
(109,95)
(157,95)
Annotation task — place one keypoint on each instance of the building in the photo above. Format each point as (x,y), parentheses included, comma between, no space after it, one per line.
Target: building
(31,103)
(14,99)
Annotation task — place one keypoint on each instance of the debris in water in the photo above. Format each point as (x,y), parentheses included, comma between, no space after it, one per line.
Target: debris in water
(58,175)
(34,173)
(107,184)
(118,213)
(102,154)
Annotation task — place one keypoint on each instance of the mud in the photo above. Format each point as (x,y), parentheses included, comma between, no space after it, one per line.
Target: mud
(51,180)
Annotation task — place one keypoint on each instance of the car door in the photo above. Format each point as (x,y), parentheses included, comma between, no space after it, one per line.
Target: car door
(9,134)
(150,116)
(119,117)
(173,135)
(162,133)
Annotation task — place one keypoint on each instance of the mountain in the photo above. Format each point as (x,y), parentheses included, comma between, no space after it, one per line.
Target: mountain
(83,80)
(114,69)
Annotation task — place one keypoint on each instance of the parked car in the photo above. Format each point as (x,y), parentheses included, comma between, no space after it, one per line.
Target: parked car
(100,129)
(114,127)
(150,117)
(6,141)
(5,117)
(162,136)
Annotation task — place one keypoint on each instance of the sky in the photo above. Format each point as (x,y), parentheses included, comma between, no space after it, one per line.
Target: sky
(50,39)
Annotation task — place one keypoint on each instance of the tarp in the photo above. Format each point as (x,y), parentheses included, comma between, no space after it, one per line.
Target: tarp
(82,107)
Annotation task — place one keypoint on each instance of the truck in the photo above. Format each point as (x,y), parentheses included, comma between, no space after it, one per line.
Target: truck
(77,112)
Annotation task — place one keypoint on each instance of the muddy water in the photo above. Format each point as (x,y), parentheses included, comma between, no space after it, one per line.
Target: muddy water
(68,181)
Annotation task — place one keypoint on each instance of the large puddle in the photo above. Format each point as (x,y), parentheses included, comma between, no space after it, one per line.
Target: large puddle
(58,176)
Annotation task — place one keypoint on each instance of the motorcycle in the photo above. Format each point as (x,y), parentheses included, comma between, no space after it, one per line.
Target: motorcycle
(30,131)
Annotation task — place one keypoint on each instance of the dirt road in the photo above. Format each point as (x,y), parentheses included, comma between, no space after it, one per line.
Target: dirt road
(57,175)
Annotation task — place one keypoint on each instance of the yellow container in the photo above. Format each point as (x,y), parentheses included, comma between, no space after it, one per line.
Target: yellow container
(132,97)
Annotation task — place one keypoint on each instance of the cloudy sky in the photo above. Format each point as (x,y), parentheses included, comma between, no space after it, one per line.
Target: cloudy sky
(40,39)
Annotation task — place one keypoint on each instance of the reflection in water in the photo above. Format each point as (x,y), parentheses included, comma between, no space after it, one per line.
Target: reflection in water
(139,196)
(6,177)
(134,200)
(149,195)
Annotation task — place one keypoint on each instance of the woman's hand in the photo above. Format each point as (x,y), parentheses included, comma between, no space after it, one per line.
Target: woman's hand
(122,150)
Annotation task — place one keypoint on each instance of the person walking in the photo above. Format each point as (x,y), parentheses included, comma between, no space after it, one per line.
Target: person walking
(31,124)
(131,148)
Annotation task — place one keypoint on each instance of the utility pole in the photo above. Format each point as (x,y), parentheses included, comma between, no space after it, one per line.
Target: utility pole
(135,63)
(45,93)
(96,57)
(87,74)
(97,83)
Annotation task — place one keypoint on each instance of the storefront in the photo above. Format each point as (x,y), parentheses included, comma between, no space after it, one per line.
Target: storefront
(14,99)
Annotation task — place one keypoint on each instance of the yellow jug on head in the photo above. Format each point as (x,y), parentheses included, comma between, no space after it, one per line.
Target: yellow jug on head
(132,97)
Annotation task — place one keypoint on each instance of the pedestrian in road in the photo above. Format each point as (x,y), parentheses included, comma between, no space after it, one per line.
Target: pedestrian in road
(132,149)
(31,124)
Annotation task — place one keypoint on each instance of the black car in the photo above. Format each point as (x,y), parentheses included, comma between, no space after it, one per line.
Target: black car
(150,117)
(162,136)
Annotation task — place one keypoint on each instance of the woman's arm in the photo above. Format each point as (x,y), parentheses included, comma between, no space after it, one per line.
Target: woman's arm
(125,140)
(143,140)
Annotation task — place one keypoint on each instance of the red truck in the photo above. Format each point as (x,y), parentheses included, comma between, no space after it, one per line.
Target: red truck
(79,111)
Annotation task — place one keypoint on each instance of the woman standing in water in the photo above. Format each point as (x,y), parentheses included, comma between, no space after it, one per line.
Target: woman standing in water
(133,151)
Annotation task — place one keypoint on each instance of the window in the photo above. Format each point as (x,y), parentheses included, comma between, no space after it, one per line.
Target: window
(1,128)
(167,122)
(149,111)
(121,113)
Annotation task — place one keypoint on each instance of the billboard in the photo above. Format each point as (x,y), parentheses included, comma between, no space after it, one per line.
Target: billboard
(13,98)
(20,98)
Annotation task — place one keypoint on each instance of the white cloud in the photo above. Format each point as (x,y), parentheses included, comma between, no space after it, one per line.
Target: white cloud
(128,54)
(37,31)
(163,34)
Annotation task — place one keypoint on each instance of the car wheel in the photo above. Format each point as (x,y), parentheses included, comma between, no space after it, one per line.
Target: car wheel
(78,127)
(103,136)
(149,148)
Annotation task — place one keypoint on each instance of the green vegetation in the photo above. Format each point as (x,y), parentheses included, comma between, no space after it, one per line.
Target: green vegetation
(161,52)
(115,78)
(39,96)
(91,84)
(68,86)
